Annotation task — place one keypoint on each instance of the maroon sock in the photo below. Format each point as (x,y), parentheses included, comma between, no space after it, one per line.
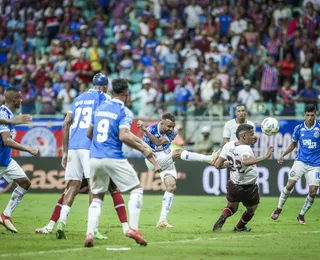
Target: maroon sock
(119,206)
(245,218)
(227,212)
(56,212)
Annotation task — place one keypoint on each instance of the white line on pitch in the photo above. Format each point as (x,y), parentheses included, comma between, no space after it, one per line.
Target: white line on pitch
(199,239)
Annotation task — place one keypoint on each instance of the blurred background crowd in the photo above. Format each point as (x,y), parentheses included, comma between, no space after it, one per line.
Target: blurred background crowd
(191,58)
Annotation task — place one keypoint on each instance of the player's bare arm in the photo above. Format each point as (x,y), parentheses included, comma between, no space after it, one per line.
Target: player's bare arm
(226,140)
(221,163)
(14,145)
(17,120)
(247,160)
(65,138)
(157,141)
(288,150)
(90,132)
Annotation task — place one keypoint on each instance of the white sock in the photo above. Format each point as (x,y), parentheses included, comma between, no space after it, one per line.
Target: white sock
(65,210)
(134,206)
(93,215)
(195,157)
(96,229)
(16,197)
(125,227)
(307,205)
(166,205)
(283,197)
(51,224)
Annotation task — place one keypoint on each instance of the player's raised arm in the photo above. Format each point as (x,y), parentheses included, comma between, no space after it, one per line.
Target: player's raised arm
(7,141)
(247,160)
(157,141)
(288,150)
(65,138)
(17,120)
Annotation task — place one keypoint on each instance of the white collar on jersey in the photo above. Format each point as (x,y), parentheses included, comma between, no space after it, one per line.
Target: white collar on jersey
(158,128)
(118,101)
(7,109)
(304,123)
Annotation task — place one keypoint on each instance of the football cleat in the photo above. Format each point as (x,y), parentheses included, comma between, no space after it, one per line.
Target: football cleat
(243,229)
(44,230)
(301,220)
(7,223)
(275,214)
(89,241)
(60,234)
(98,235)
(215,156)
(136,235)
(219,224)
(163,224)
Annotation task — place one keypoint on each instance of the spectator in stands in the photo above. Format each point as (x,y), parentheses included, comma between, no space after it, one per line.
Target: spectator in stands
(66,96)
(286,67)
(183,97)
(2,89)
(309,95)
(272,44)
(83,68)
(237,27)
(95,54)
(41,74)
(28,99)
(47,98)
(61,65)
(192,14)
(126,66)
(172,81)
(204,145)
(316,72)
(248,95)
(287,97)
(311,21)
(165,101)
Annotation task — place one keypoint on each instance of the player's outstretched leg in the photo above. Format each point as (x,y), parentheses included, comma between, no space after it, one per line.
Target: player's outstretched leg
(283,198)
(119,206)
(16,197)
(134,206)
(47,229)
(93,219)
(170,183)
(228,211)
(307,204)
(69,196)
(195,157)
(245,218)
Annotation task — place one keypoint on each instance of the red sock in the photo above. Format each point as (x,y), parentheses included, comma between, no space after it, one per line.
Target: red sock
(56,212)
(119,206)
(245,218)
(227,212)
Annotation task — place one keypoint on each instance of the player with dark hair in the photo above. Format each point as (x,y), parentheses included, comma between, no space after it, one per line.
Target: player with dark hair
(9,169)
(242,187)
(159,137)
(307,162)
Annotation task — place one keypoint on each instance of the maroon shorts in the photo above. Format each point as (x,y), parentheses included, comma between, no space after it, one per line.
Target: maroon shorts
(247,194)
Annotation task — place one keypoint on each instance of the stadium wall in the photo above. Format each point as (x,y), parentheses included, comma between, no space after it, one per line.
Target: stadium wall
(47,175)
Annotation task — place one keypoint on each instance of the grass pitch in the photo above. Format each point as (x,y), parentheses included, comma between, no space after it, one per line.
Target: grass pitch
(191,237)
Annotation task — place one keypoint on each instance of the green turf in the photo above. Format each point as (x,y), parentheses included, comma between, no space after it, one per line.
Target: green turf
(191,237)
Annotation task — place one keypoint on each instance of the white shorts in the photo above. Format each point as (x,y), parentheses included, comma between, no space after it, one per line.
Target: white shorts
(77,165)
(12,171)
(310,173)
(164,158)
(120,171)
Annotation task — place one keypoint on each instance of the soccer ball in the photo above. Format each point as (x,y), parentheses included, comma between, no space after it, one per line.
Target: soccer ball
(270,126)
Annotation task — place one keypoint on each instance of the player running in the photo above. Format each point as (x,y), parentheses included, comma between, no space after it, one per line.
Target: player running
(242,187)
(159,137)
(9,169)
(110,128)
(307,162)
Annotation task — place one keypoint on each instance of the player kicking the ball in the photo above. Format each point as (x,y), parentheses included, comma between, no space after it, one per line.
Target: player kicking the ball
(307,162)
(242,187)
(159,137)
(9,169)
(110,127)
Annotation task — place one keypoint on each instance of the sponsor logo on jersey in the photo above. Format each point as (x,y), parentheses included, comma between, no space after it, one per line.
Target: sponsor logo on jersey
(292,173)
(316,134)
(42,139)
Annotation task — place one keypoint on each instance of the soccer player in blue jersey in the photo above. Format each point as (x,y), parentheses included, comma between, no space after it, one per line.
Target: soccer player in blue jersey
(307,162)
(110,128)
(9,169)
(159,137)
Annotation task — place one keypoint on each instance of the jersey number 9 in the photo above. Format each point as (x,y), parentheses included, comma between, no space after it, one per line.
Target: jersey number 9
(103,129)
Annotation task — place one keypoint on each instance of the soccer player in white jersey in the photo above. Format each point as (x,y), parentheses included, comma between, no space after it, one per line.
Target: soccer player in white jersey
(230,127)
(9,169)
(159,137)
(110,127)
(307,162)
(242,187)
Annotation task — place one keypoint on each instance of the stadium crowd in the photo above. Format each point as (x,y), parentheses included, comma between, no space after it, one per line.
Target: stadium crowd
(186,57)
